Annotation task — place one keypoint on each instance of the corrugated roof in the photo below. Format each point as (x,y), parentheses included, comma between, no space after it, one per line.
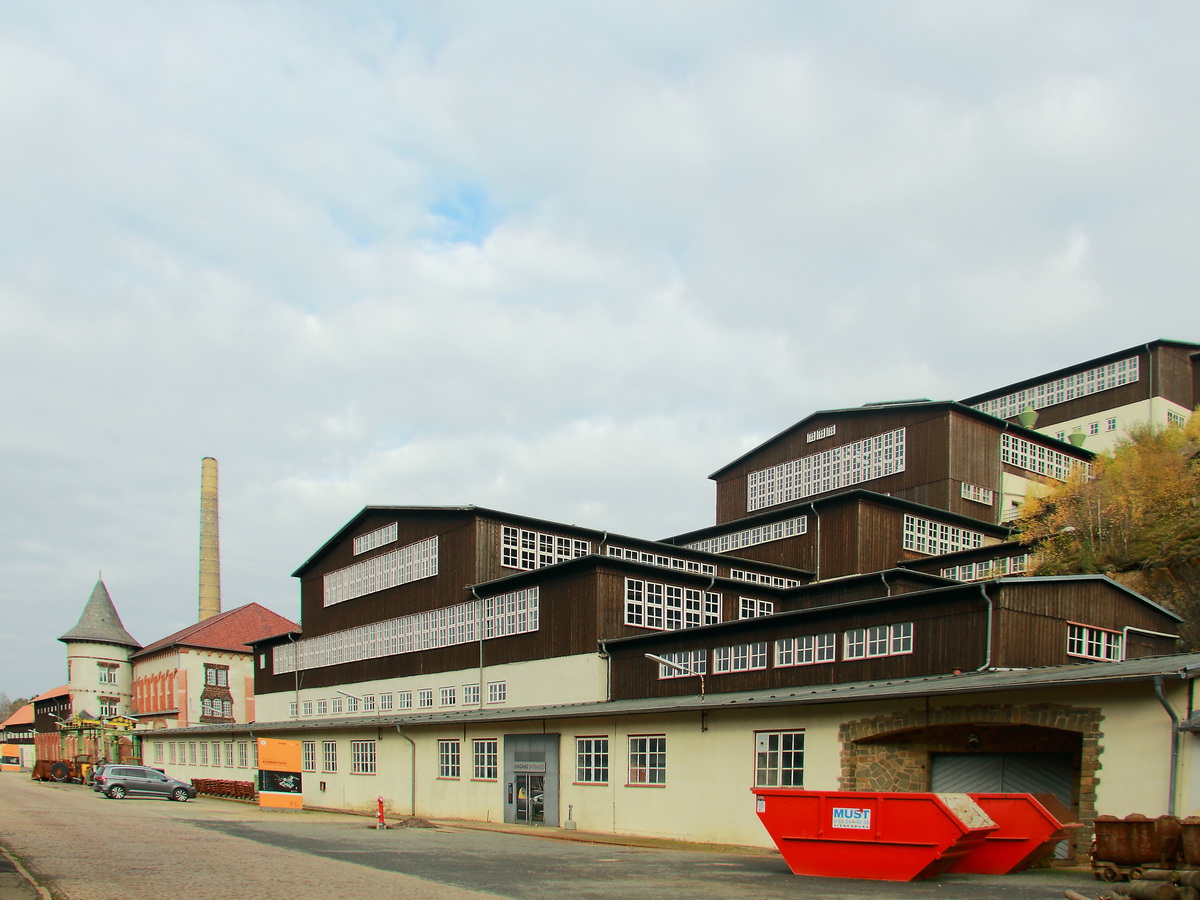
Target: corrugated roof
(100,622)
(231,630)
(1182,665)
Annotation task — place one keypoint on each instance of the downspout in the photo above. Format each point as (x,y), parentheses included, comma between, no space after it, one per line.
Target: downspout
(412,779)
(987,662)
(478,631)
(1158,692)
(883,578)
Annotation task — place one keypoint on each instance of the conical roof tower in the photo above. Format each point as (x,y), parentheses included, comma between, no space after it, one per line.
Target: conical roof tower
(100,623)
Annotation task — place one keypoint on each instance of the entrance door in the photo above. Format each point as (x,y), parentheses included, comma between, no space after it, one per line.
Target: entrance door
(530,799)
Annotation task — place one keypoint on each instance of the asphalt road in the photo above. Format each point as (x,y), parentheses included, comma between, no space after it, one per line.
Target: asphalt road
(85,847)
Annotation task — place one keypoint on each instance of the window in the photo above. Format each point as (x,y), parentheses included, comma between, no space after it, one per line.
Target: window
(1094,428)
(1079,384)
(351,704)
(425,697)
(191,753)
(667,606)
(396,567)
(1031,457)
(171,752)
(243,754)
(362,757)
(204,753)
(750,537)
(934,538)
(591,760)
(878,640)
(228,753)
(403,699)
(322,707)
(470,695)
(108,706)
(1174,418)
(255,746)
(385,701)
(449,761)
(740,658)
(832,469)
(663,562)
(379,537)
(1094,643)
(308,752)
(752,608)
(368,703)
(293,708)
(335,705)
(486,759)
(691,663)
(216,753)
(806,650)
(216,676)
(447,696)
(779,759)
(1110,425)
(308,707)
(648,759)
(520,549)
(497,691)
(329,756)
(158,751)
(107,673)
(978,494)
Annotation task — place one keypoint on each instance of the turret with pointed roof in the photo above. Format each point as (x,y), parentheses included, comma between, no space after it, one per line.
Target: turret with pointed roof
(100,623)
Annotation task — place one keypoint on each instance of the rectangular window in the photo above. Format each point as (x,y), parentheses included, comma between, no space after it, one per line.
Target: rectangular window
(497,691)
(293,708)
(108,674)
(978,494)
(486,759)
(470,695)
(688,663)
(878,640)
(329,756)
(158,751)
(309,755)
(425,697)
(935,538)
(171,752)
(779,759)
(648,759)
(379,537)
(362,757)
(216,753)
(664,606)
(368,703)
(108,706)
(385,701)
(322,707)
(752,608)
(806,650)
(243,754)
(191,753)
(396,567)
(1094,643)
(521,549)
(1069,387)
(1094,428)
(1110,425)
(204,753)
(751,537)
(351,704)
(403,699)
(447,696)
(335,705)
(449,759)
(838,467)
(740,658)
(591,760)
(307,707)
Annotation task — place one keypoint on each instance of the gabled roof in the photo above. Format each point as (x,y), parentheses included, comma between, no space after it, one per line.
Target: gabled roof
(930,406)
(100,623)
(231,630)
(23,716)
(61,691)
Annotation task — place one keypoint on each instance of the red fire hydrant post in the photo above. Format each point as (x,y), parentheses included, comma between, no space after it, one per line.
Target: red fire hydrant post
(379,814)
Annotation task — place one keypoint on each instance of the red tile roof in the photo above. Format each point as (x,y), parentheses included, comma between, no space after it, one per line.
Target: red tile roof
(23,716)
(230,630)
(53,692)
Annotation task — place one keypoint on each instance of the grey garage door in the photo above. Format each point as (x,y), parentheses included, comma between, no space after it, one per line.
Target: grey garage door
(1004,773)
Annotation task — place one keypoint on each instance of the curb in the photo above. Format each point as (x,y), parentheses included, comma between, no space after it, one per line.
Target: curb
(21,885)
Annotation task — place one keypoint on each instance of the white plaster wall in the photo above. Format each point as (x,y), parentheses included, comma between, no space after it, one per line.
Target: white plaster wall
(1152,411)
(83,659)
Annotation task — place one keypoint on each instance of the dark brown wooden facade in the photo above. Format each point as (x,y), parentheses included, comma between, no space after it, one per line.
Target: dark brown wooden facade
(946,445)
(1012,623)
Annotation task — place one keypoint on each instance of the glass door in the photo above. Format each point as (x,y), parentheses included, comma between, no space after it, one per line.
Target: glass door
(531,799)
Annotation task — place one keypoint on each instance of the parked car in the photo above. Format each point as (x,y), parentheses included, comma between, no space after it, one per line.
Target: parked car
(117,782)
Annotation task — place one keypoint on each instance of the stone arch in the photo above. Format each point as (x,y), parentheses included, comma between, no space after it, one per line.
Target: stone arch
(891,751)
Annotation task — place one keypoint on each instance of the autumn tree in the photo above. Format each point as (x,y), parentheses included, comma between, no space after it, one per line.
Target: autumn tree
(1135,517)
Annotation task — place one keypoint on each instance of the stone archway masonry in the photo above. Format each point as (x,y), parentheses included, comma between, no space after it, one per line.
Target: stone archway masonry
(902,766)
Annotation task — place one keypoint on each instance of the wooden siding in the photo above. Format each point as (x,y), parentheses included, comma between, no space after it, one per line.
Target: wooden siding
(1031,617)
(948,633)
(1174,376)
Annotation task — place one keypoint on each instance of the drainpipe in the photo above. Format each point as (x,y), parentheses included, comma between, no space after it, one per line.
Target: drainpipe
(412,781)
(478,631)
(987,661)
(1158,692)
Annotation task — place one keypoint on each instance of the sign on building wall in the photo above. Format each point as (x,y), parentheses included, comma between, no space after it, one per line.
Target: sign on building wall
(10,758)
(279,784)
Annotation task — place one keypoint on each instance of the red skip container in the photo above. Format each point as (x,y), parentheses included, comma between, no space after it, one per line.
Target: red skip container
(879,836)
(1029,827)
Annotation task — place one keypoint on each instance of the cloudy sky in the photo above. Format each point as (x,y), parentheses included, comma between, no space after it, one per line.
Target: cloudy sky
(560,258)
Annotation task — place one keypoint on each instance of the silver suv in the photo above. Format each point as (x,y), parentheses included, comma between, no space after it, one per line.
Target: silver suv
(118,782)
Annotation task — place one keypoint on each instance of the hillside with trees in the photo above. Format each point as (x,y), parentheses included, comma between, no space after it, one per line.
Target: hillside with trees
(1136,518)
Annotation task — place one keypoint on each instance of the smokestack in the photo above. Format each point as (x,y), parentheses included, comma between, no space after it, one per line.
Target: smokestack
(210,541)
